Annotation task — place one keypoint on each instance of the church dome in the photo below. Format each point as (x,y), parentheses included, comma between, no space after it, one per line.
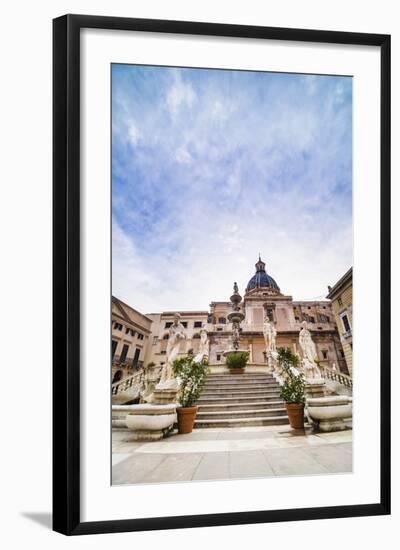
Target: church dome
(261,279)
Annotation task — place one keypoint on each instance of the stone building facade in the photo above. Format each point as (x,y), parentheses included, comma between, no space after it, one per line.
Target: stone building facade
(130,338)
(341,296)
(262,297)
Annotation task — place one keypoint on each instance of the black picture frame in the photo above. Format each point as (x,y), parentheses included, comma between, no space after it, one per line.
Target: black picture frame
(66,273)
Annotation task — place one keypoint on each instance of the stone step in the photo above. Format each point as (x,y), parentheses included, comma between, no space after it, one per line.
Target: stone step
(224,415)
(240,378)
(242,422)
(212,400)
(238,386)
(234,406)
(228,380)
(240,393)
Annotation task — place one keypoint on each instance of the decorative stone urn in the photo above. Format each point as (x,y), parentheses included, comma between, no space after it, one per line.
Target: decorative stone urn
(330,414)
(151,422)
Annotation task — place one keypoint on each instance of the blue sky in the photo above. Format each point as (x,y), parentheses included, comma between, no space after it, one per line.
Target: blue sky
(211,167)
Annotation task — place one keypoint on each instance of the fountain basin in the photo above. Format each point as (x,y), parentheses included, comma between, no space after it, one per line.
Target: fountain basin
(330,414)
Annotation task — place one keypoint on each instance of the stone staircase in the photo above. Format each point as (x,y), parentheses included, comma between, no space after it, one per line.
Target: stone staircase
(233,401)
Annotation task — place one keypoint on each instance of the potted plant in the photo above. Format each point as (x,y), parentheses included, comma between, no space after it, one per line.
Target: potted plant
(192,376)
(292,388)
(236,361)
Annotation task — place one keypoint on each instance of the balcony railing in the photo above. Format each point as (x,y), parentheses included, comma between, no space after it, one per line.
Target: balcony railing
(127,363)
(129,386)
(336,376)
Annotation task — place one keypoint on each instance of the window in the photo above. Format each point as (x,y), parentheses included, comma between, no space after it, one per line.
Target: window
(184,324)
(118,326)
(168,324)
(219,328)
(324,354)
(296,319)
(166,336)
(270,314)
(342,354)
(346,324)
(197,324)
(222,320)
(114,345)
(130,331)
(155,340)
(163,352)
(124,353)
(323,318)
(140,336)
(136,357)
(218,357)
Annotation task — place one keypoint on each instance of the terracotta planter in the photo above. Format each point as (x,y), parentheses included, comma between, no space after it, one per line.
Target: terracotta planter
(186,418)
(296,415)
(236,370)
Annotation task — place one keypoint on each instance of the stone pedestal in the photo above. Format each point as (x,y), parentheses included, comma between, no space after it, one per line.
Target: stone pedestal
(164,397)
(331,413)
(150,422)
(315,387)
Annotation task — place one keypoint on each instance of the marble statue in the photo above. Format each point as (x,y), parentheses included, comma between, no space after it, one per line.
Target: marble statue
(203,347)
(269,335)
(309,350)
(176,335)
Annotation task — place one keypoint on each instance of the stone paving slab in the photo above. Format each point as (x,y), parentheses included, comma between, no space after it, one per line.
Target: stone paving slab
(295,461)
(220,454)
(136,468)
(213,466)
(245,464)
(118,457)
(176,467)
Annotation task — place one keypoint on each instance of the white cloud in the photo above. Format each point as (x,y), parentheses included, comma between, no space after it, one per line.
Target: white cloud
(180,94)
(133,134)
(183,156)
(233,174)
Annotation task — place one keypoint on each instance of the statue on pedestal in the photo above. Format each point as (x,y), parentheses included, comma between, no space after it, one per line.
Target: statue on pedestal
(269,335)
(176,335)
(203,347)
(309,350)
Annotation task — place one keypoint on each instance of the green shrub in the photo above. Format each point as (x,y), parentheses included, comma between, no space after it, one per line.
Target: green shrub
(293,388)
(237,360)
(192,377)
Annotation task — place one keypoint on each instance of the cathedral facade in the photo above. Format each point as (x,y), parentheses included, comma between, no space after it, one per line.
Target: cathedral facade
(262,298)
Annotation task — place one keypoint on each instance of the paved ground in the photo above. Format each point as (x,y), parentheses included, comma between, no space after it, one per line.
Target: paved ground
(234,453)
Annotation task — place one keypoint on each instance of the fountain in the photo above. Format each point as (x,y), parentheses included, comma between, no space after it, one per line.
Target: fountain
(235,317)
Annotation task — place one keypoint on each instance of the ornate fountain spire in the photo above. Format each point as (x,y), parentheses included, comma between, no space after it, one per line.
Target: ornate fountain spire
(236,316)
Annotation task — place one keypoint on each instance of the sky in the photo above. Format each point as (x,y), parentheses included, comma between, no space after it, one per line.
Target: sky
(212,167)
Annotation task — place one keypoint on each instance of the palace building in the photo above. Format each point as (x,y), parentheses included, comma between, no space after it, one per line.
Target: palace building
(262,297)
(341,296)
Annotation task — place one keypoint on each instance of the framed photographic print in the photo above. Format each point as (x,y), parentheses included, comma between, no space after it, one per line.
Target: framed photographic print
(221,274)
